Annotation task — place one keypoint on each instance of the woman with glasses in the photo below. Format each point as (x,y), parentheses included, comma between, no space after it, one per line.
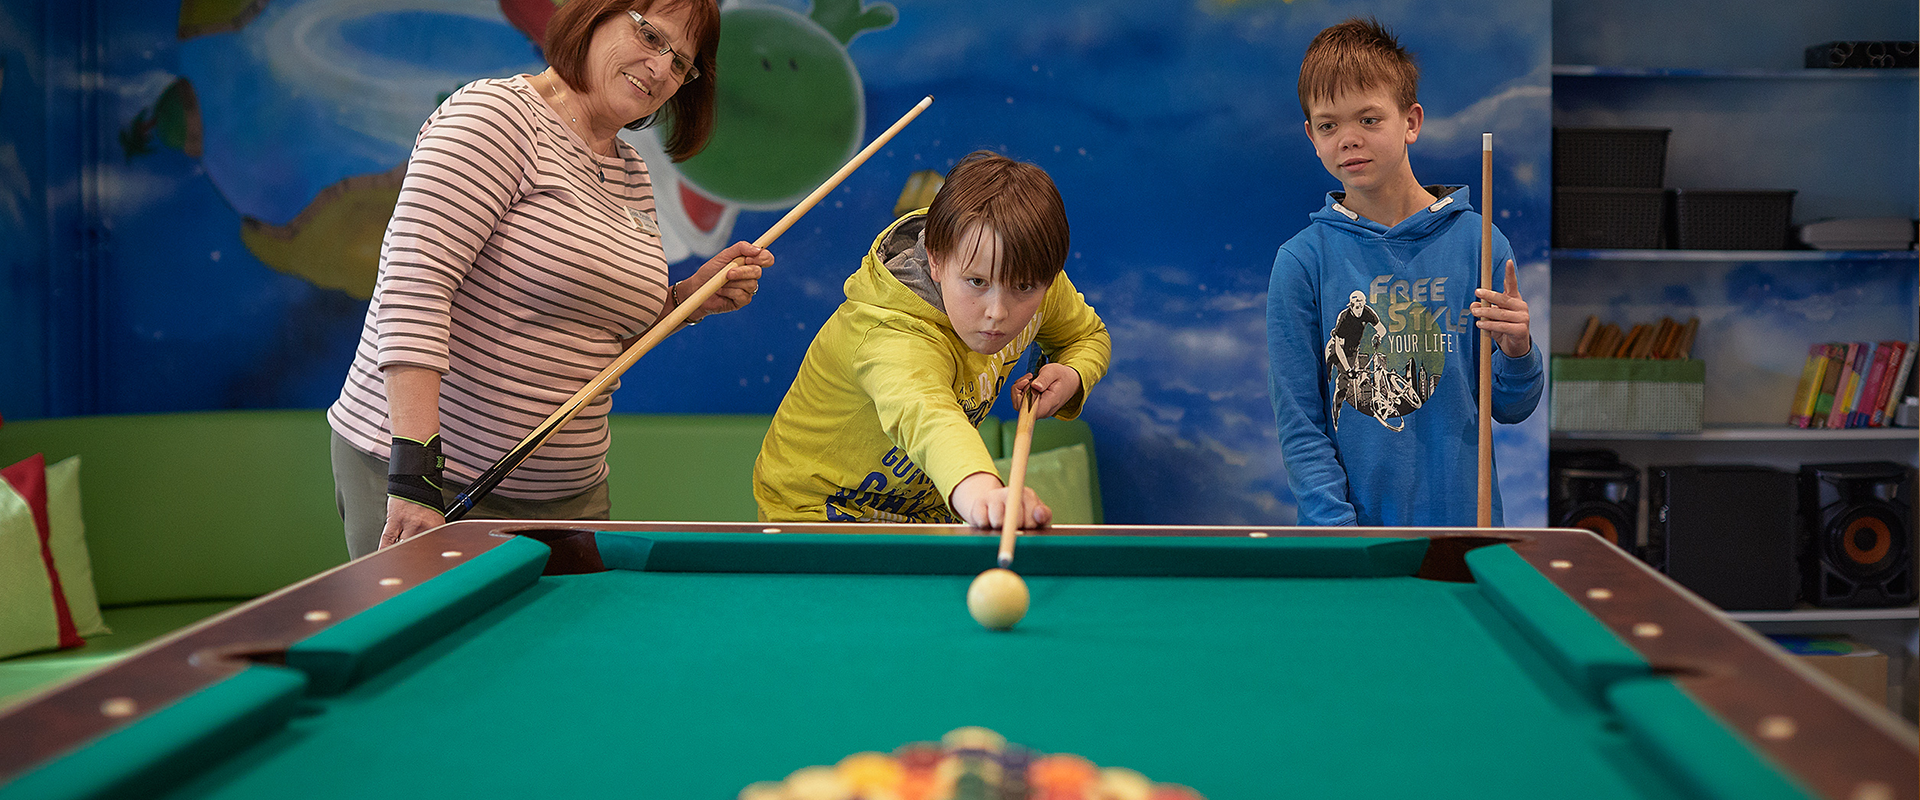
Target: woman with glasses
(522,257)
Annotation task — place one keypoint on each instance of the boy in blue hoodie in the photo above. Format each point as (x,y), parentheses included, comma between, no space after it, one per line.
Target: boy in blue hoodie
(1373,307)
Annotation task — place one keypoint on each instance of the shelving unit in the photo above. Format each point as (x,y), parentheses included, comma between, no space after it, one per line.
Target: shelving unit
(1888,630)
(1907,257)
(1752,433)
(1593,71)
(1744,116)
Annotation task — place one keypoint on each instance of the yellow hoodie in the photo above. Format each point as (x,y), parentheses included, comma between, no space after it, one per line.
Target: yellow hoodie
(881,421)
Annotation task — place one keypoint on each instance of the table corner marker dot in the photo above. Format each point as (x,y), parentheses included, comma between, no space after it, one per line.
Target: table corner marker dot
(1872,790)
(1778,727)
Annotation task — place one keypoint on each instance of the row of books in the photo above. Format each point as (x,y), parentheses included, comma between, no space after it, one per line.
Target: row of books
(1664,340)
(1853,384)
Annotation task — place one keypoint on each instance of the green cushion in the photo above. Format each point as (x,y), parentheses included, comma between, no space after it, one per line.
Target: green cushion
(1051,433)
(69,543)
(1060,477)
(29,621)
(1584,649)
(197,506)
(174,743)
(132,627)
(1665,722)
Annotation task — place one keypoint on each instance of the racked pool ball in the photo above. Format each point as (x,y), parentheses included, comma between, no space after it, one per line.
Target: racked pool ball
(997,599)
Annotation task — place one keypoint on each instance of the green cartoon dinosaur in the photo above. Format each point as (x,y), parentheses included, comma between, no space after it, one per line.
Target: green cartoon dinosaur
(790,108)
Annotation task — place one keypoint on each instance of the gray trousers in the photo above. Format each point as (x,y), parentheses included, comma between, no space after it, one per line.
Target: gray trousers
(360,492)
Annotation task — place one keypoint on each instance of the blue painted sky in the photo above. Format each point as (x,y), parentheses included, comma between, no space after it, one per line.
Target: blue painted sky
(1172,128)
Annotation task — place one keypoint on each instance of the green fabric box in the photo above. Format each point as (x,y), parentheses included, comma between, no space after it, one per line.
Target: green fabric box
(1627,394)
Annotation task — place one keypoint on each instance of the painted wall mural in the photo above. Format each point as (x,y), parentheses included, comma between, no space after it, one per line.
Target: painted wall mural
(256,149)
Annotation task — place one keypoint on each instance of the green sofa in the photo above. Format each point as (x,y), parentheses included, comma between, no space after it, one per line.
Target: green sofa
(190,514)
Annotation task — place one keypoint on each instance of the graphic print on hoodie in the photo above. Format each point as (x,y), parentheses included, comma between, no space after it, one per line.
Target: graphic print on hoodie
(1387,371)
(1378,319)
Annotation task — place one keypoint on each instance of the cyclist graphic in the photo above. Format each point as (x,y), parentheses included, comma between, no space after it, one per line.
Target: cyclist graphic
(1365,381)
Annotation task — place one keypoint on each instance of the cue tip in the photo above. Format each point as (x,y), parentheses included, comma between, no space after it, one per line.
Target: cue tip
(1486,141)
(924,102)
(1006,561)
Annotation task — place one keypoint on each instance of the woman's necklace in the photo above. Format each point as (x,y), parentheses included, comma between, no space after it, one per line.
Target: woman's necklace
(562,106)
(553,91)
(558,102)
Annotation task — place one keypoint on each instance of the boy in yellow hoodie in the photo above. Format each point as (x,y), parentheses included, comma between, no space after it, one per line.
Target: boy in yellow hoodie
(880,424)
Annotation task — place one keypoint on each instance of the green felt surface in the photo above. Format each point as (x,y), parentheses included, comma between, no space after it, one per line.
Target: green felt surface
(688,684)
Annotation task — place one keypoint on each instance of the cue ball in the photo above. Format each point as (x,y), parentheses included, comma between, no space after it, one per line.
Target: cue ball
(997,599)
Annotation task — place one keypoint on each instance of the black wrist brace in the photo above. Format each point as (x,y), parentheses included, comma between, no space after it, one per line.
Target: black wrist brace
(413,471)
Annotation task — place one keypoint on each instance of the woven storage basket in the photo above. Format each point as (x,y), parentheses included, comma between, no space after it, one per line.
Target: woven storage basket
(1627,394)
(1626,158)
(1609,218)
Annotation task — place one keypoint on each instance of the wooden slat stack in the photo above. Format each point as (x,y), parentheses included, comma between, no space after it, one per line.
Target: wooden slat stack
(1664,340)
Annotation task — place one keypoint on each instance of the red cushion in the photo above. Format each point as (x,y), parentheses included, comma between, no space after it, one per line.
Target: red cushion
(29,479)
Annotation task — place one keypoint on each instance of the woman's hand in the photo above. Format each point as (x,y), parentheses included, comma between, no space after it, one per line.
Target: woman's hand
(981,501)
(407,519)
(1054,386)
(743,280)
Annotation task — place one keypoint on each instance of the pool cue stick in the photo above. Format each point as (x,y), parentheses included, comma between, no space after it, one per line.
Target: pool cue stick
(661,329)
(1017,476)
(1485,507)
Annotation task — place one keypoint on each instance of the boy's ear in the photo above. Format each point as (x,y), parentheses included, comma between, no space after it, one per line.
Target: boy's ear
(1415,116)
(933,265)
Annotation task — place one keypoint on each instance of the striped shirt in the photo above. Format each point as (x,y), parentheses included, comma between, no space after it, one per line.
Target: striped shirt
(513,265)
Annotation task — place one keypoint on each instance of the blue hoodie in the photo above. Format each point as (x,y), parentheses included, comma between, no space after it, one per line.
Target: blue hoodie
(1374,366)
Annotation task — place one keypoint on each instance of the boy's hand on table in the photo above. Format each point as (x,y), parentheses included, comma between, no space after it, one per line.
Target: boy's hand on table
(1504,316)
(1054,386)
(981,501)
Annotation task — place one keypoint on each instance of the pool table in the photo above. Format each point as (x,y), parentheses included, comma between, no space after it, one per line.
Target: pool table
(690,660)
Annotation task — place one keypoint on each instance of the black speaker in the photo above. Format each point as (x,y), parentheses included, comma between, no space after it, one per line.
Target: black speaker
(1859,525)
(1729,533)
(1591,489)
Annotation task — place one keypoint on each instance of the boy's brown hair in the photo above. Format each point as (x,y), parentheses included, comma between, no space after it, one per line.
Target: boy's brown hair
(1357,56)
(689,113)
(1013,199)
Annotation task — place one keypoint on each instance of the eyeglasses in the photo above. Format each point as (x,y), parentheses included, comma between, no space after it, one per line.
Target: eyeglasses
(652,39)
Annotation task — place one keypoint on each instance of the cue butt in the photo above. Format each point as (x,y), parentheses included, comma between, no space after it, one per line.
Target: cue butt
(1017,478)
(1484,495)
